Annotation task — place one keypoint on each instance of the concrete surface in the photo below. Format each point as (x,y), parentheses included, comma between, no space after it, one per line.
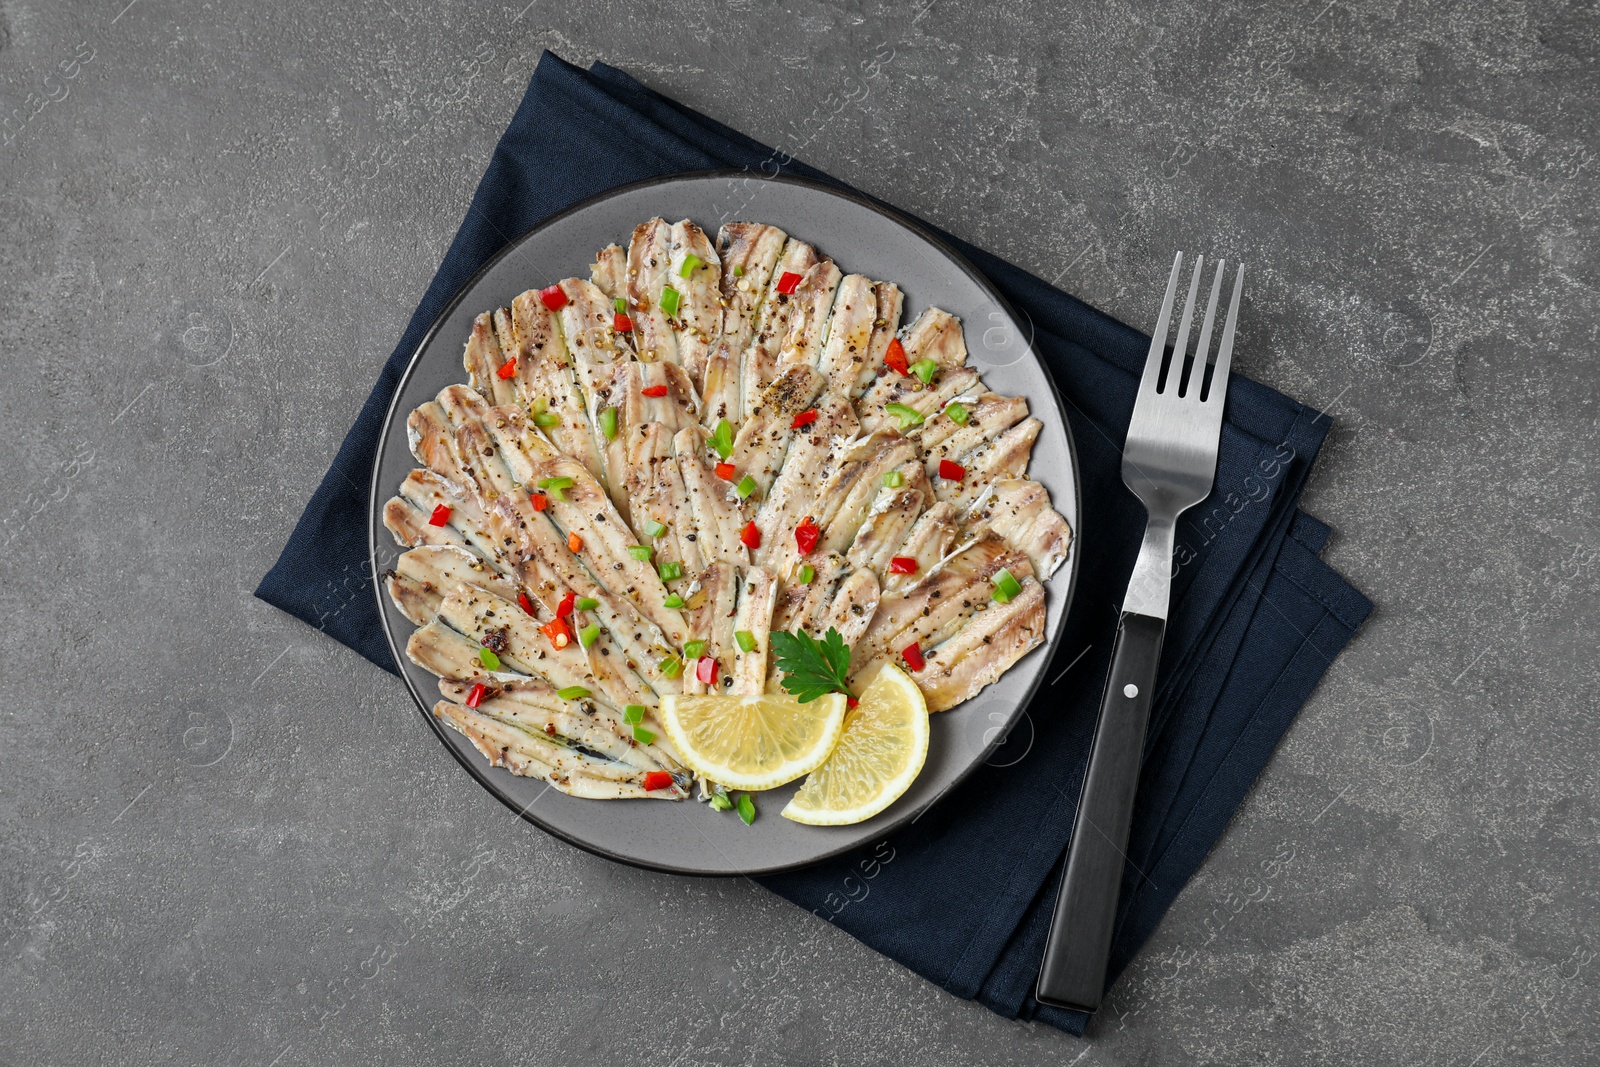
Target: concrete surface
(227,840)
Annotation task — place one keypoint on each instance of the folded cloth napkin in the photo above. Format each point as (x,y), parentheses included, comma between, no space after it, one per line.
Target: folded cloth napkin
(962,896)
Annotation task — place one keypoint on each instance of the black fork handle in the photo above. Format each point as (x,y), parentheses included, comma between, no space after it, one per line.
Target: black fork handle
(1073,974)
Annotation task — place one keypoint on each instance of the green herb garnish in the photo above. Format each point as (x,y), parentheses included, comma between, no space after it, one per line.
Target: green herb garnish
(720,801)
(812,668)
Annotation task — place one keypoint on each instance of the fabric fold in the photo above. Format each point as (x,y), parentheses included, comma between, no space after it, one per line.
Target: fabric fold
(962,895)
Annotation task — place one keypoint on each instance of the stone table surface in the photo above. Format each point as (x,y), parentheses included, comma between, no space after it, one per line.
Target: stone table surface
(225,839)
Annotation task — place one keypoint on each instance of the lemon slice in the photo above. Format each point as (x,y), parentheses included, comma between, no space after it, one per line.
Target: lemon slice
(757,742)
(881,752)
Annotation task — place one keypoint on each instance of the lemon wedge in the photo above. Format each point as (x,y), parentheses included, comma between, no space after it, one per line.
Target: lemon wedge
(753,742)
(879,755)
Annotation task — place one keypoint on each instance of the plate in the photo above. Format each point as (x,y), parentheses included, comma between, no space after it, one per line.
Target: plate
(861,236)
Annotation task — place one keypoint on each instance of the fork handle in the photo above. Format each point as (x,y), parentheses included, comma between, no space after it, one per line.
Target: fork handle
(1073,974)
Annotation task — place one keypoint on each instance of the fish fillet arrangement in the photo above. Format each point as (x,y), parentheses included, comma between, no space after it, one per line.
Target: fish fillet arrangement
(654,468)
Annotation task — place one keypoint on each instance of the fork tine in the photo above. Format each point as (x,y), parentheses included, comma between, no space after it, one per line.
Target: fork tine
(1158,340)
(1219,379)
(1180,347)
(1202,351)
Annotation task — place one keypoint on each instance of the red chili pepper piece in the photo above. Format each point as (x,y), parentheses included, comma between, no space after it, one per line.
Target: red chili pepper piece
(902,565)
(705,669)
(788,281)
(553,297)
(895,357)
(951,471)
(558,633)
(805,536)
(527,605)
(654,780)
(913,657)
(750,535)
(851,702)
(564,608)
(725,471)
(654,390)
(805,418)
(574,542)
(507,370)
(621,323)
(475,697)
(440,516)
(540,501)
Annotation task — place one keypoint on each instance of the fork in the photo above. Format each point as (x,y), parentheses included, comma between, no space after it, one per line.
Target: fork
(1169,463)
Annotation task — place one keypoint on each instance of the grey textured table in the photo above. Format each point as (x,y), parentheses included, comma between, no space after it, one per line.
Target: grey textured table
(226,840)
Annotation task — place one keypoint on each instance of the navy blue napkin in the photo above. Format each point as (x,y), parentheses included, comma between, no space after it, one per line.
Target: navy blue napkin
(963,895)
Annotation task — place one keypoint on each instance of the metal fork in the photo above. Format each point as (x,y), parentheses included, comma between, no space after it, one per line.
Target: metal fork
(1169,462)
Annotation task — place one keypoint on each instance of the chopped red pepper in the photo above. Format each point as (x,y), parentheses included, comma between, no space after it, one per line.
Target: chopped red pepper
(851,702)
(705,669)
(913,657)
(951,471)
(558,632)
(527,605)
(725,471)
(750,535)
(895,356)
(805,418)
(574,542)
(540,501)
(553,297)
(475,697)
(621,323)
(564,608)
(788,281)
(654,390)
(902,565)
(440,516)
(805,536)
(654,780)
(507,370)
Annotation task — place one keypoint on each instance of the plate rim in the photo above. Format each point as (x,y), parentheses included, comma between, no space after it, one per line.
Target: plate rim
(376,496)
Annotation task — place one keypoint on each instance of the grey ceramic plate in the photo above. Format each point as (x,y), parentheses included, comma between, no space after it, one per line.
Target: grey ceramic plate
(863,237)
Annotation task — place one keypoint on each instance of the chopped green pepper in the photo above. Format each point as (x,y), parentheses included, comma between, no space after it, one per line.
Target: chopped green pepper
(554,486)
(907,417)
(655,529)
(746,639)
(608,423)
(672,666)
(694,649)
(589,634)
(807,572)
(746,486)
(722,438)
(669,301)
(925,369)
(489,659)
(643,736)
(586,603)
(572,692)
(633,714)
(639,552)
(670,570)
(747,808)
(1005,586)
(690,263)
(546,419)
(673,601)
(893,479)
(957,413)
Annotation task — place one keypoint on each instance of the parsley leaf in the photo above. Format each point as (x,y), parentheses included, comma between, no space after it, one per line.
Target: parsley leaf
(812,668)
